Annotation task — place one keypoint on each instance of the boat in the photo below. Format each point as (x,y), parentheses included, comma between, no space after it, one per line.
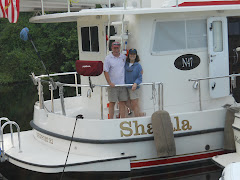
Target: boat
(189,54)
(230,172)
(230,162)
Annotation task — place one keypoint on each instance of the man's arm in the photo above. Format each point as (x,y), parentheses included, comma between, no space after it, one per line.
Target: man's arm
(108,79)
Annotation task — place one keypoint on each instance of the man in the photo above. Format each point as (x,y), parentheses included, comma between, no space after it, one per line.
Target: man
(114,74)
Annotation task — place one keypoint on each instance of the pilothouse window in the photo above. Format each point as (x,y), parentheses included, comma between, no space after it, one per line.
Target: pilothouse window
(90,40)
(180,35)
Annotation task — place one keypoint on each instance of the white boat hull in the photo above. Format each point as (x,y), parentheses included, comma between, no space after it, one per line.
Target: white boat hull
(112,150)
(38,157)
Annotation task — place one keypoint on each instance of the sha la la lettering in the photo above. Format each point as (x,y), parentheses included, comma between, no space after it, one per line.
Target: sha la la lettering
(133,128)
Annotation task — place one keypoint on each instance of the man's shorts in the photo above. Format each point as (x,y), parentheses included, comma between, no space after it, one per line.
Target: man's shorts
(133,94)
(117,94)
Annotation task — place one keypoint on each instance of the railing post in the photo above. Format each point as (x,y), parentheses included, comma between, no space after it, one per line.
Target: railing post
(62,98)
(68,4)
(52,98)
(160,96)
(199,90)
(42,7)
(40,94)
(75,75)
(125,4)
(108,42)
(101,103)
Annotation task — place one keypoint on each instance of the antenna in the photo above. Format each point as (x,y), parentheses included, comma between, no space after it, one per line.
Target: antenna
(24,35)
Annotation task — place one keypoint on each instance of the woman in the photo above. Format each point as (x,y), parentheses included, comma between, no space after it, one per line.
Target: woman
(133,75)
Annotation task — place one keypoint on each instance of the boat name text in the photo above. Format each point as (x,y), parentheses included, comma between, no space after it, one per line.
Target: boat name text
(45,138)
(129,128)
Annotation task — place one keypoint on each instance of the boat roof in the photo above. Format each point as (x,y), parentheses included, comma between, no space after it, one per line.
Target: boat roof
(51,5)
(73,16)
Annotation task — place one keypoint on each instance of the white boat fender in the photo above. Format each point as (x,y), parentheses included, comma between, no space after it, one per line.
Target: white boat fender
(231,172)
(229,143)
(163,134)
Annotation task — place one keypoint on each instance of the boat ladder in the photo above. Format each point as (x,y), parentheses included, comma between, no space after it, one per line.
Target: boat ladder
(122,32)
(11,123)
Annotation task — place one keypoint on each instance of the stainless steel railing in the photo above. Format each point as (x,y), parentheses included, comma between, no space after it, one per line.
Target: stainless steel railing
(197,84)
(11,123)
(38,79)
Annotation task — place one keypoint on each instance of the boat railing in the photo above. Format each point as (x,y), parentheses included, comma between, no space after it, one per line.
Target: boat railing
(156,87)
(11,123)
(70,3)
(197,84)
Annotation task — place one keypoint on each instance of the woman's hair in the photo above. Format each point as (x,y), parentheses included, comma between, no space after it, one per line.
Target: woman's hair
(136,60)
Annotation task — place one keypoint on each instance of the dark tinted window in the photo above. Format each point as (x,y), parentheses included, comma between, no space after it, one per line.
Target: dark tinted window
(90,39)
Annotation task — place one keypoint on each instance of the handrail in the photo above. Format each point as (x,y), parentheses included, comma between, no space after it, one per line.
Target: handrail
(197,82)
(18,129)
(117,85)
(216,77)
(160,93)
(6,119)
(61,85)
(2,141)
(56,74)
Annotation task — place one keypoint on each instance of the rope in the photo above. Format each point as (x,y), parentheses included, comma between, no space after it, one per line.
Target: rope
(9,3)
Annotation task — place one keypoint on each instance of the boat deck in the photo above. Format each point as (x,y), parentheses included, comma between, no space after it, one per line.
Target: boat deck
(39,157)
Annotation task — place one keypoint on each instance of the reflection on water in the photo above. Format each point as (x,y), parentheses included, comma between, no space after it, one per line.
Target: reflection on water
(207,171)
(16,103)
(200,172)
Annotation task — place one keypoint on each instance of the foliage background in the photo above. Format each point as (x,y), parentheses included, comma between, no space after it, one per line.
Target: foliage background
(56,42)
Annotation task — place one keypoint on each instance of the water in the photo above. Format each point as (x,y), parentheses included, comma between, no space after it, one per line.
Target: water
(16,103)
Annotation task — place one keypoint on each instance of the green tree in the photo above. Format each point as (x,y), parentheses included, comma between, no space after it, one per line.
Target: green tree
(56,42)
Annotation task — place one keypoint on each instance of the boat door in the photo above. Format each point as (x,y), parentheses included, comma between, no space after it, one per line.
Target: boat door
(218,56)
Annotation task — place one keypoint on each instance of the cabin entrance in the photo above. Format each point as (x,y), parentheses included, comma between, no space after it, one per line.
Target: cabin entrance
(233,43)
(218,56)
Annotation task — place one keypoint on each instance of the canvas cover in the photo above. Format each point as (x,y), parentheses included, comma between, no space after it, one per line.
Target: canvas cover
(89,68)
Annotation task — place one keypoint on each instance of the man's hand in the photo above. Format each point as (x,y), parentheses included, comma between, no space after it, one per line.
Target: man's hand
(111,84)
(134,86)
(108,79)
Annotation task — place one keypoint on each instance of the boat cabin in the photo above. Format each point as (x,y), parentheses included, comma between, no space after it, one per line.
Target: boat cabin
(175,45)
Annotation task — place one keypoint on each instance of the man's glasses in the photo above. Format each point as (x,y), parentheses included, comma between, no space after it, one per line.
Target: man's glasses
(116,44)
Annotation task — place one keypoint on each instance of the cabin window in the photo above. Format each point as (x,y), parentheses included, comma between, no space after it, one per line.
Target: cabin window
(180,35)
(90,40)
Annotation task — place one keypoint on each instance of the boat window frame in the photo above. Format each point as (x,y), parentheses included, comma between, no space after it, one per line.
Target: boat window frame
(84,23)
(178,51)
(90,38)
